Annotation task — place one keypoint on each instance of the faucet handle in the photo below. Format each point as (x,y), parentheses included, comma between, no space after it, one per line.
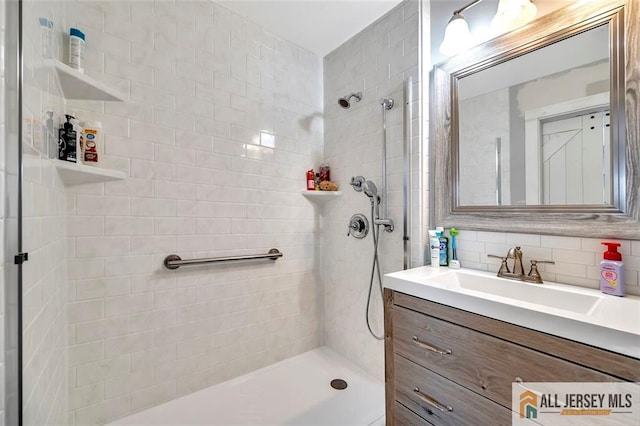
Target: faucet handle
(503,267)
(534,262)
(534,273)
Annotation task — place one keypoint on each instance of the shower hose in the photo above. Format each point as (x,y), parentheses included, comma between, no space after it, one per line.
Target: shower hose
(375,231)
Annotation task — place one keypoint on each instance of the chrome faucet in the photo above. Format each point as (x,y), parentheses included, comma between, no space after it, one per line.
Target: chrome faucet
(515,254)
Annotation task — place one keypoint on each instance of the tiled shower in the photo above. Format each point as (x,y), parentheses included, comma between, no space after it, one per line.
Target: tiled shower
(221,121)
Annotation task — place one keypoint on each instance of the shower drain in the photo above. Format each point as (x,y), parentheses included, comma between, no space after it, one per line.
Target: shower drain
(339,384)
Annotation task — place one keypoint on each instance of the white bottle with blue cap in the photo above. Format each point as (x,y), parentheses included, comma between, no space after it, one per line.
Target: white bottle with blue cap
(76,49)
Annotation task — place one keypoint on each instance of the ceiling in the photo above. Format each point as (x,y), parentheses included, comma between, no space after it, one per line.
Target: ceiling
(317,25)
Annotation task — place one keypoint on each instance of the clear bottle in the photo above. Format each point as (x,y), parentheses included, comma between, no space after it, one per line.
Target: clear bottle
(50,134)
(47,34)
(325,172)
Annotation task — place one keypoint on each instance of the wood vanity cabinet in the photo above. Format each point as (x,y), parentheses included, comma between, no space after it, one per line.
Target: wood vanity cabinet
(445,366)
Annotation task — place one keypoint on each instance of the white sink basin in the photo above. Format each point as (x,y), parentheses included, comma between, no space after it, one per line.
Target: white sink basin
(581,314)
(551,296)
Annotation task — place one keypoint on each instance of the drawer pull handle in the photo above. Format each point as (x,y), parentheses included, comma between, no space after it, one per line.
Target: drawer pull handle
(432,402)
(431,348)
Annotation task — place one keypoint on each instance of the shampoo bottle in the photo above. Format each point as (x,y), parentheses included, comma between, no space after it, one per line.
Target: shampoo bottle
(79,131)
(67,141)
(76,49)
(92,142)
(612,271)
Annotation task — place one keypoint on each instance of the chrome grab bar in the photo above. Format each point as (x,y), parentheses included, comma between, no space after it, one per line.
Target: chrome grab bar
(173,261)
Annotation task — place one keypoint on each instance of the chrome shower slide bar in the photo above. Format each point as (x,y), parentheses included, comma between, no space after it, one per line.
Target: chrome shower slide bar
(173,261)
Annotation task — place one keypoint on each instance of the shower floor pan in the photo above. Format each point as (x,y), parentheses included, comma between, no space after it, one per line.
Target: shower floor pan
(295,391)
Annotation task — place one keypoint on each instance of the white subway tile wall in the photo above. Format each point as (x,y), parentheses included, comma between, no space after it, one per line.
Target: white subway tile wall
(214,143)
(376,62)
(577,260)
(44,275)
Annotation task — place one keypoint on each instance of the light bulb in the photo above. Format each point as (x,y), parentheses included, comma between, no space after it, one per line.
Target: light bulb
(512,14)
(457,37)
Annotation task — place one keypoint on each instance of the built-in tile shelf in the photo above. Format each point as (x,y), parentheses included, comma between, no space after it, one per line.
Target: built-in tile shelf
(321,196)
(76,85)
(78,174)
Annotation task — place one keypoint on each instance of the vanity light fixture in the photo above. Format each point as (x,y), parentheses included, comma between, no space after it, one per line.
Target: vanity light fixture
(457,36)
(511,14)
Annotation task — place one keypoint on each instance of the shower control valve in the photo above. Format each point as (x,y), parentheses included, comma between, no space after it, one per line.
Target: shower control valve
(358,226)
(356,182)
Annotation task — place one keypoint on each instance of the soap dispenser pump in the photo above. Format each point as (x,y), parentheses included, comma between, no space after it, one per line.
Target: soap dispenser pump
(612,271)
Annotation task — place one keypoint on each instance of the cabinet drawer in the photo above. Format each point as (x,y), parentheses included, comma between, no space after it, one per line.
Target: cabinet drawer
(484,364)
(423,391)
(402,416)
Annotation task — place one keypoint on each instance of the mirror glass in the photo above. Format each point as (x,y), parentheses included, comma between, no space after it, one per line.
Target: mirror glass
(537,130)
(534,130)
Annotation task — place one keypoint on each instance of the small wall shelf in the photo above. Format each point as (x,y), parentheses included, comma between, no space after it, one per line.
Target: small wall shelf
(78,174)
(76,85)
(321,196)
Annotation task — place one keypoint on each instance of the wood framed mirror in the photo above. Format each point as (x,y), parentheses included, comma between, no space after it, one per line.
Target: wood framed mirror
(537,131)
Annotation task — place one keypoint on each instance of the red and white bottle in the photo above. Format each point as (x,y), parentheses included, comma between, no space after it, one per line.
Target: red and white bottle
(311,176)
(612,271)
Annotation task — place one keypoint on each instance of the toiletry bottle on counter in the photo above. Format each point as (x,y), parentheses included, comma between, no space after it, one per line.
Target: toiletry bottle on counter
(76,49)
(434,248)
(444,247)
(612,271)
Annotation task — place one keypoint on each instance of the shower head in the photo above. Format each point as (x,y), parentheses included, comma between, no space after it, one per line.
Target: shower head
(387,103)
(345,102)
(370,189)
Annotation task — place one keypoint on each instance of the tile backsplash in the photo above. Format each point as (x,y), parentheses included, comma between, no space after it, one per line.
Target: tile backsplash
(577,260)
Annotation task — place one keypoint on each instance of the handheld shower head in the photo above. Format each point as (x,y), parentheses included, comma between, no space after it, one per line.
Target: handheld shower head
(370,189)
(345,102)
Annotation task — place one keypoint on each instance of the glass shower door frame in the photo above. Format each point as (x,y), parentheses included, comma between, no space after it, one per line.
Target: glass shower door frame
(12,214)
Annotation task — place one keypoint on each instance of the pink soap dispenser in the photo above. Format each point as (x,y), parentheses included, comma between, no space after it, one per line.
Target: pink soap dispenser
(612,271)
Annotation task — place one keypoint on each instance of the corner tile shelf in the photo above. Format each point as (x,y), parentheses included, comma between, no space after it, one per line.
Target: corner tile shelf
(321,196)
(76,85)
(78,174)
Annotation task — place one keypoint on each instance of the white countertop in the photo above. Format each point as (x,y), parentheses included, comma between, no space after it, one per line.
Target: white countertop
(612,324)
